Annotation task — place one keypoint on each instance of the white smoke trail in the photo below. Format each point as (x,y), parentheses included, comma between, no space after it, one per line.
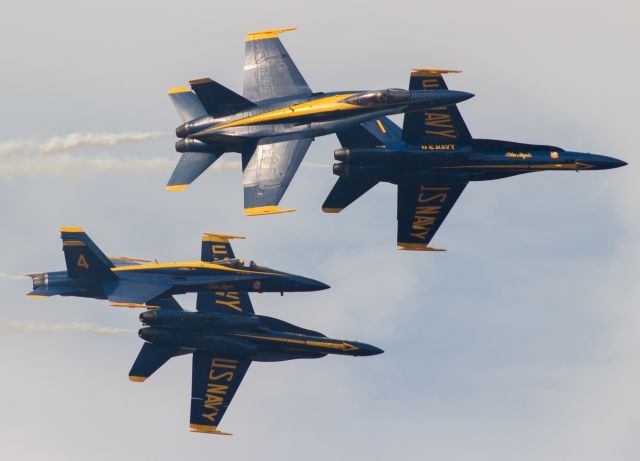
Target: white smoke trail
(316,165)
(68,164)
(66,144)
(55,156)
(35,328)
(5,276)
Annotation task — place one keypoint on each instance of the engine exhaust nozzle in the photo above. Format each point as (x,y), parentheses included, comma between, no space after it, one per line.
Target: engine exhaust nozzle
(341,154)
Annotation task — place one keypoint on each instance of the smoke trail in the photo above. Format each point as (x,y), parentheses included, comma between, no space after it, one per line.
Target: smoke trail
(67,164)
(34,328)
(5,276)
(316,165)
(55,156)
(66,144)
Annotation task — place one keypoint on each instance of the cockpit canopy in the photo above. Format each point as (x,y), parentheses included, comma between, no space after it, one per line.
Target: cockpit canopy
(238,263)
(231,262)
(380,97)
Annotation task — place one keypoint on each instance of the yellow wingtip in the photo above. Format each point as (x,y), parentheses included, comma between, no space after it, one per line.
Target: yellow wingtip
(134,305)
(262,34)
(332,210)
(177,187)
(432,72)
(180,89)
(71,229)
(211,237)
(126,258)
(417,247)
(262,210)
(203,428)
(137,379)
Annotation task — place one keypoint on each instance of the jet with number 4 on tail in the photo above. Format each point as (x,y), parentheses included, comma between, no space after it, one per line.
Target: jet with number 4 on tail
(225,336)
(275,120)
(128,282)
(431,160)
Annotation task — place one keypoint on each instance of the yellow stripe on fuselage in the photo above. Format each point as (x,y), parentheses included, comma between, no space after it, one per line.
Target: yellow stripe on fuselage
(317,106)
(549,166)
(188,265)
(303,342)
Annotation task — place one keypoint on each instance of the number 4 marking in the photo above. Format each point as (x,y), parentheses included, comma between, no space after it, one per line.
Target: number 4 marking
(82,262)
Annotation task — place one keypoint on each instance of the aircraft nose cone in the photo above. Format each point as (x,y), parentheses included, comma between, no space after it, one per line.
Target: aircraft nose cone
(616,163)
(315,285)
(602,162)
(458,96)
(306,284)
(368,349)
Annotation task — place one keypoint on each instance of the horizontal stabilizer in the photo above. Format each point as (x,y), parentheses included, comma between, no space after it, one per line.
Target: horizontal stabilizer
(45,292)
(345,192)
(218,99)
(83,257)
(378,132)
(186,103)
(150,358)
(189,167)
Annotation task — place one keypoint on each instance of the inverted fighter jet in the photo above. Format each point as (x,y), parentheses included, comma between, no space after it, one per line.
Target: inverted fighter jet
(225,336)
(128,282)
(432,159)
(274,121)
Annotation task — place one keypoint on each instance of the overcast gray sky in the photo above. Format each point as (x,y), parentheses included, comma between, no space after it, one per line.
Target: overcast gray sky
(521,342)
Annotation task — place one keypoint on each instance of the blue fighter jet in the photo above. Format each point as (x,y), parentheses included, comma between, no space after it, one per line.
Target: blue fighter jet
(275,120)
(128,282)
(225,336)
(432,159)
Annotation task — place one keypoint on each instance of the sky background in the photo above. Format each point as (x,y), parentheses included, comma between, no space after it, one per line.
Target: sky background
(521,342)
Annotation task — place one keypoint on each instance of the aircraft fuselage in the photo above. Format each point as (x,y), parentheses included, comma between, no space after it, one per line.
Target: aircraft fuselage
(251,337)
(449,163)
(304,117)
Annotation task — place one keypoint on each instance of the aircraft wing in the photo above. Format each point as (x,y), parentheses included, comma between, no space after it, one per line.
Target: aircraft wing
(437,128)
(215,381)
(45,292)
(268,173)
(216,247)
(421,211)
(227,302)
(136,291)
(269,71)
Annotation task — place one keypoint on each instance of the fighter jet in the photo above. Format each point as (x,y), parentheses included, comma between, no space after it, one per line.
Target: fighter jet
(432,159)
(274,121)
(128,282)
(225,336)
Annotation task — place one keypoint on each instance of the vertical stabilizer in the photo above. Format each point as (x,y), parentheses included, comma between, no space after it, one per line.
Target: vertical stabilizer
(83,257)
